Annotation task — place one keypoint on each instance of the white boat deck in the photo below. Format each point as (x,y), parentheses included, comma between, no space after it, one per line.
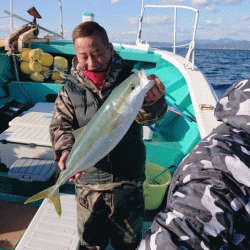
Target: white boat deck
(47,231)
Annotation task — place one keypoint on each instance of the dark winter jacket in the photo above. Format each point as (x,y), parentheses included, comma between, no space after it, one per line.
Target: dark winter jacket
(208,204)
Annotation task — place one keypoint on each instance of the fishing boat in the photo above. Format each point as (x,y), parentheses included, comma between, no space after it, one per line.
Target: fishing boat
(26,106)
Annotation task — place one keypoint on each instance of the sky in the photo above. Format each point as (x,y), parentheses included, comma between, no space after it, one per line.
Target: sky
(217,18)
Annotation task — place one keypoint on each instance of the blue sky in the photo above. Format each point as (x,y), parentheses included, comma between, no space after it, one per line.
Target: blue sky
(217,18)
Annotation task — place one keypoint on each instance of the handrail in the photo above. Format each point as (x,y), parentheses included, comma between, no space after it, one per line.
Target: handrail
(190,53)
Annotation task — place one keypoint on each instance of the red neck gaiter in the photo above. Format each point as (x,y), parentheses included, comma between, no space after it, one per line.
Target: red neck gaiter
(98,78)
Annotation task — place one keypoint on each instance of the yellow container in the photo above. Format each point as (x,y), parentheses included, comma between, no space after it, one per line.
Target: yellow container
(154,193)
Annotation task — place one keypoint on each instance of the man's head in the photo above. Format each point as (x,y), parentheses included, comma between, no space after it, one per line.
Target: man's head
(92,47)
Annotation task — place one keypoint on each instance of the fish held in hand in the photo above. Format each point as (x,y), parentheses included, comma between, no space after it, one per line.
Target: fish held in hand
(104,131)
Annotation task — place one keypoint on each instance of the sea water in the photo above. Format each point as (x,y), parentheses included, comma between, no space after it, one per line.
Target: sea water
(221,67)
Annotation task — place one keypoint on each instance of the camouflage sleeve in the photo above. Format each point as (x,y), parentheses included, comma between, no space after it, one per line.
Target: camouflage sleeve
(208,205)
(151,112)
(62,124)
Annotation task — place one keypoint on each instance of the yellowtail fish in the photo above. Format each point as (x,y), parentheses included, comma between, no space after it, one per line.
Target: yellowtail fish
(104,131)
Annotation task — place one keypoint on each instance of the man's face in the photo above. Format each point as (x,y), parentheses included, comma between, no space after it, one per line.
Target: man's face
(92,54)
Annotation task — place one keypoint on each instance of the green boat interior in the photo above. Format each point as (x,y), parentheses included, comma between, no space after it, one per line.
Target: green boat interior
(173,137)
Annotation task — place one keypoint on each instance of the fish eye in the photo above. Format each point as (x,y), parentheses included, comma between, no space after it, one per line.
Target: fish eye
(132,86)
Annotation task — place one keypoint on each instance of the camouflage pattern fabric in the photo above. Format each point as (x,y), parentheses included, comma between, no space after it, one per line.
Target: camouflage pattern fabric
(110,211)
(208,204)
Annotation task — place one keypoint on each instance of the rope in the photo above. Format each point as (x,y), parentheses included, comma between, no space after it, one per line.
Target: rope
(189,53)
(18,79)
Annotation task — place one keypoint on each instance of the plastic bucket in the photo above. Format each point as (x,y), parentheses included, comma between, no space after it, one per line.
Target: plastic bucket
(154,193)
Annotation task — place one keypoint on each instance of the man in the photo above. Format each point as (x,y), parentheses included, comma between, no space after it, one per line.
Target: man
(109,195)
(208,203)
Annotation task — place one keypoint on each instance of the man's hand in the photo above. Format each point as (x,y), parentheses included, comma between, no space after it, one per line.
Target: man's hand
(61,165)
(157,91)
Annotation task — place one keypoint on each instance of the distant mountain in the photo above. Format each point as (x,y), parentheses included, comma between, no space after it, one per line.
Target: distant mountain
(224,43)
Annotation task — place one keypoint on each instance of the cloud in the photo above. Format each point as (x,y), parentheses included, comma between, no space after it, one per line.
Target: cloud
(201,2)
(6,28)
(234,1)
(159,20)
(115,1)
(211,8)
(125,36)
(245,18)
(153,20)
(210,2)
(237,32)
(211,24)
(133,20)
(174,2)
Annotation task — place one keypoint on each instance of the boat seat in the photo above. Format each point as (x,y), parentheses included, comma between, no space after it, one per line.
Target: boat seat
(47,231)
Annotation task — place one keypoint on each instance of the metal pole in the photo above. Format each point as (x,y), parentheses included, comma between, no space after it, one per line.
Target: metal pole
(140,24)
(194,34)
(60,6)
(175,17)
(11,16)
(196,24)
(27,21)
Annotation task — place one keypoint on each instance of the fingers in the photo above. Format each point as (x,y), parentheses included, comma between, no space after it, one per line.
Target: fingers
(77,176)
(157,91)
(61,165)
(62,161)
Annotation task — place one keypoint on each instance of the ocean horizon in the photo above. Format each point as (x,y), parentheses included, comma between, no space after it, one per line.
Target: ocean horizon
(221,67)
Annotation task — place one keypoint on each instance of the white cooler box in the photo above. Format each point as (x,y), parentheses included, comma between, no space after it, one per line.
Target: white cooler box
(25,141)
(28,135)
(30,176)
(40,115)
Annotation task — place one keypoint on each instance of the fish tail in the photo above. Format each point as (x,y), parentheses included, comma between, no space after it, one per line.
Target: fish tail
(50,194)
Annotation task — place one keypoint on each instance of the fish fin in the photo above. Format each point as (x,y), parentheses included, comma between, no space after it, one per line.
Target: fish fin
(39,196)
(57,203)
(54,197)
(77,133)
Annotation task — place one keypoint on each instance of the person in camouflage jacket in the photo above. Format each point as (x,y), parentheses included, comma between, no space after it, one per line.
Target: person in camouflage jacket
(208,204)
(110,203)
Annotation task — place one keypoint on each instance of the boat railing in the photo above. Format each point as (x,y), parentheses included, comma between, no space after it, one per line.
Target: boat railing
(191,45)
